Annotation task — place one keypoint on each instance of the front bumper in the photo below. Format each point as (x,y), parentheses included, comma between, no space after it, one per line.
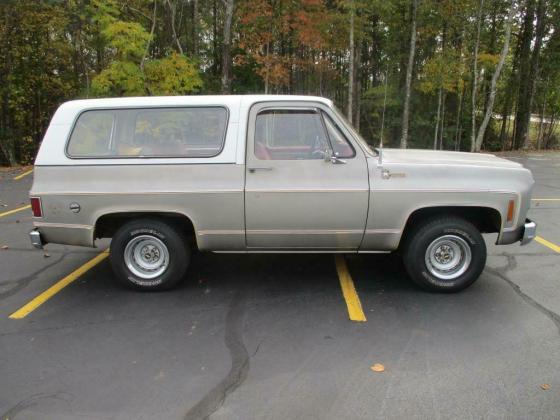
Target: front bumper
(36,239)
(524,234)
(529,231)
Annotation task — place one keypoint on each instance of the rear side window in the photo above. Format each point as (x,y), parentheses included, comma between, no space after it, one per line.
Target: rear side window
(91,135)
(153,132)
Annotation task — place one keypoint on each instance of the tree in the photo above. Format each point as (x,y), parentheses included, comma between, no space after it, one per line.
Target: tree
(406,110)
(495,77)
(475,75)
(226,53)
(351,61)
(131,73)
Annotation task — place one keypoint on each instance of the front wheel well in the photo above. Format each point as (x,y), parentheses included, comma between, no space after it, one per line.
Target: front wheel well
(108,224)
(485,219)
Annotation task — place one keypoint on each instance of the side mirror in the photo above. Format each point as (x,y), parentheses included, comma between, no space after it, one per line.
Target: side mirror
(335,159)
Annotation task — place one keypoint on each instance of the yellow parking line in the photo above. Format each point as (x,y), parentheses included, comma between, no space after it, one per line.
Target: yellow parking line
(355,311)
(545,199)
(548,244)
(17,178)
(57,287)
(7,213)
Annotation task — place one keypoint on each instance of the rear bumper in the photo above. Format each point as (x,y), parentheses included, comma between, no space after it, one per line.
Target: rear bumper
(36,240)
(524,234)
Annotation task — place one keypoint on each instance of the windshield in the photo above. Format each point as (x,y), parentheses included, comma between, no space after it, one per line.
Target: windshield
(356,135)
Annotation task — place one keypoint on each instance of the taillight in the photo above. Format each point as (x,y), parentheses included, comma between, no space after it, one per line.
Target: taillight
(36,207)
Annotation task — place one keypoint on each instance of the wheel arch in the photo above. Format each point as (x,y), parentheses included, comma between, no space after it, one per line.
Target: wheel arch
(107,224)
(485,219)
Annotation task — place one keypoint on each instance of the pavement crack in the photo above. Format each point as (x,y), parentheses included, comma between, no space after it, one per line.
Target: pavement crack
(553,316)
(237,374)
(34,400)
(24,281)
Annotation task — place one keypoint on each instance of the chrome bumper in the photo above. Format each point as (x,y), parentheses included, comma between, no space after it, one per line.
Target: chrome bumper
(36,240)
(529,232)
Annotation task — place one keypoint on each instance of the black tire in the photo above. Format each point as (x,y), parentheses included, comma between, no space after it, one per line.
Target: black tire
(146,233)
(424,242)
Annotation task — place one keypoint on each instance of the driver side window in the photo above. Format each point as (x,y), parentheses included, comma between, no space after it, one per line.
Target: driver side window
(289,134)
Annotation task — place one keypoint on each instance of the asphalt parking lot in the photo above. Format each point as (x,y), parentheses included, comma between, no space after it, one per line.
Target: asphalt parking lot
(269,336)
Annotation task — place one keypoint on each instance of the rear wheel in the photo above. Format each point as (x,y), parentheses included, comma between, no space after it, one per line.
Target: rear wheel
(148,254)
(445,254)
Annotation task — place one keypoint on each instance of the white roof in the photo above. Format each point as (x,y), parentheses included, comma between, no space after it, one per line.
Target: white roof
(68,110)
(51,151)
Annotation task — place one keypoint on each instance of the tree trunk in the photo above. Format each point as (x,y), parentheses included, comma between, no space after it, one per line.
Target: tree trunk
(173,31)
(226,53)
(495,77)
(533,71)
(523,112)
(154,17)
(412,52)
(442,125)
(541,125)
(475,76)
(194,28)
(351,64)
(436,131)
(358,94)
(458,120)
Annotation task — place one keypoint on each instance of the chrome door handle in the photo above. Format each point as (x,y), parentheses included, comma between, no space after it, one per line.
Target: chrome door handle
(261,168)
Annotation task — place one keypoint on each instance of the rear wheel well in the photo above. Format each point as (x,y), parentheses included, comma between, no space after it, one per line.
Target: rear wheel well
(485,219)
(108,224)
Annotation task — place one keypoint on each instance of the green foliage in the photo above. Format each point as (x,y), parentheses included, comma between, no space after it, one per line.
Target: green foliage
(52,51)
(121,78)
(129,39)
(442,71)
(172,75)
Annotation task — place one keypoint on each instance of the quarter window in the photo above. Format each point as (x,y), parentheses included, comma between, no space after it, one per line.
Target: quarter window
(156,132)
(340,145)
(290,134)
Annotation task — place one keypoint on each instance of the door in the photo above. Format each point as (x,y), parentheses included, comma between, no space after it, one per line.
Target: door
(296,196)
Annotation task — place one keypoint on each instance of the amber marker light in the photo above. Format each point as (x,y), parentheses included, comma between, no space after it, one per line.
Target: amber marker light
(511,209)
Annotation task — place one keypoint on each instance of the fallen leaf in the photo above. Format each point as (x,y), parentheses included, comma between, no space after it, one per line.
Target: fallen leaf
(4,247)
(378,367)
(46,255)
(545,386)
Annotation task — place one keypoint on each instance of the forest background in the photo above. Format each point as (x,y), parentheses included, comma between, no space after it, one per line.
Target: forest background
(444,74)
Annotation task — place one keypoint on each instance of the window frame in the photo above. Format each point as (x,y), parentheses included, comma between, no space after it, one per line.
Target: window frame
(316,110)
(337,127)
(145,108)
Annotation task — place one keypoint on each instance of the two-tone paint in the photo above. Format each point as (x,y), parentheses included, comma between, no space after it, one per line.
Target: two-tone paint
(238,203)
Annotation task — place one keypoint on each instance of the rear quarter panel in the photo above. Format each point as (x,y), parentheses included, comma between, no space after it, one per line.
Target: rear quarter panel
(210,195)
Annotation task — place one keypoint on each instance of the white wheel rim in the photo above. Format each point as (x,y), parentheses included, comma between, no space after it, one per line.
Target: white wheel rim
(448,257)
(146,257)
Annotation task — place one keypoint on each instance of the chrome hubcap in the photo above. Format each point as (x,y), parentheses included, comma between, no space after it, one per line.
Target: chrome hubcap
(448,257)
(146,257)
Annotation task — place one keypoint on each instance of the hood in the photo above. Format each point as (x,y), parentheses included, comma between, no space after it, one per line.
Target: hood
(436,157)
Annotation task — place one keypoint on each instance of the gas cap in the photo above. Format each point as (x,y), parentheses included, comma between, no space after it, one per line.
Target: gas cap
(75,207)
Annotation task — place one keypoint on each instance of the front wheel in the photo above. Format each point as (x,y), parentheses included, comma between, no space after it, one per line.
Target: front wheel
(148,254)
(445,254)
